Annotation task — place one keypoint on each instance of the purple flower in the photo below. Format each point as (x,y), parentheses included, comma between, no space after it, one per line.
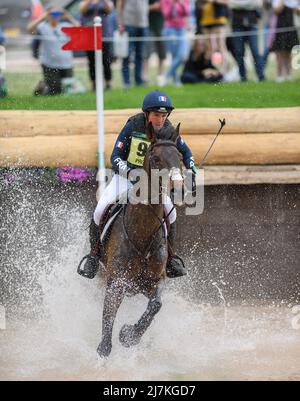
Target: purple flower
(73,174)
(8,178)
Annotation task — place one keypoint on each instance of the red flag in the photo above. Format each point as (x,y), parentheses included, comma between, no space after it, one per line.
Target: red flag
(83,38)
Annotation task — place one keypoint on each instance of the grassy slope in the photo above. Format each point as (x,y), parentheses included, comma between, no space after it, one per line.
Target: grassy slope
(252,95)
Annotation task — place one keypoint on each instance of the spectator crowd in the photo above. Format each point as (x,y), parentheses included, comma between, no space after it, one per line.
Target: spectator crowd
(194,40)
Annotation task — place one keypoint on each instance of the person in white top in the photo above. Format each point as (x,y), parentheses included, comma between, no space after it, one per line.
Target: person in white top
(133,17)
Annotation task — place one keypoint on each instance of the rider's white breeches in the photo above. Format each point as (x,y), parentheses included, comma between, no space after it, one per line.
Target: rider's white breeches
(118,186)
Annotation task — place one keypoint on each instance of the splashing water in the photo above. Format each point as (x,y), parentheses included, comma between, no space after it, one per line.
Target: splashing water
(53,329)
(186,340)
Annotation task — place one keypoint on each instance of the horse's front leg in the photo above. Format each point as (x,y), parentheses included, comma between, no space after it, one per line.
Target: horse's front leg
(114,295)
(131,335)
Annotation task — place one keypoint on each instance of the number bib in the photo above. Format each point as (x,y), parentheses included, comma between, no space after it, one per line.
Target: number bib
(138,149)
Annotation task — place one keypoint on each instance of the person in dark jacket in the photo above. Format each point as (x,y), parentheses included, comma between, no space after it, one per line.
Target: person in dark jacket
(89,10)
(199,68)
(244,21)
(157,106)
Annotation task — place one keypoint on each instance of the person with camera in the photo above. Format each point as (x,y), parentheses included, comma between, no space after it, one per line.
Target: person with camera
(56,63)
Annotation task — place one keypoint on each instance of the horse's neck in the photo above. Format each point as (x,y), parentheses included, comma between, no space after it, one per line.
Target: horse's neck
(142,221)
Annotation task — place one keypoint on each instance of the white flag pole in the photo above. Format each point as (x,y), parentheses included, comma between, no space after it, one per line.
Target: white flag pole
(100,108)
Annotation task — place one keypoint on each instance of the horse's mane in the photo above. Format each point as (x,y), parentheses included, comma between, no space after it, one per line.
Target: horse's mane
(166,132)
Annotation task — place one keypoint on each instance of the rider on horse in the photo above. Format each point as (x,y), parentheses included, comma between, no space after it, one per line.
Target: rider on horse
(126,155)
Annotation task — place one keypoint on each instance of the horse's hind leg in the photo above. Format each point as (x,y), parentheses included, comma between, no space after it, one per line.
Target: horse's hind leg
(131,335)
(114,295)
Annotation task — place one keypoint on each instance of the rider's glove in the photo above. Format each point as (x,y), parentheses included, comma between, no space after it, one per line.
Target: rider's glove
(192,165)
(194,170)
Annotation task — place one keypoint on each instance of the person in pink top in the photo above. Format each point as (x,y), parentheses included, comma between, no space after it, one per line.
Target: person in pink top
(175,14)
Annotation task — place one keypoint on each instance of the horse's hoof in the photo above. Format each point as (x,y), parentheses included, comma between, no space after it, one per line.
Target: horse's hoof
(104,349)
(128,336)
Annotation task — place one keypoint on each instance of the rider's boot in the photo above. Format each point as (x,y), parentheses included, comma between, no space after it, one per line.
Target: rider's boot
(91,265)
(175,266)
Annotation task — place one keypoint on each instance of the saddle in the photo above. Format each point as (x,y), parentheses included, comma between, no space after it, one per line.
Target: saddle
(111,213)
(108,217)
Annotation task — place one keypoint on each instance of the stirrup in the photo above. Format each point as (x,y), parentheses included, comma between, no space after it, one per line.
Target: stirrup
(92,273)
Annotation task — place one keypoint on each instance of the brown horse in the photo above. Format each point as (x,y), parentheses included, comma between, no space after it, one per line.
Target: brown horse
(136,251)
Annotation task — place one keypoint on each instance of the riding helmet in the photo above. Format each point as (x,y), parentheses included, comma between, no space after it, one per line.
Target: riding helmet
(157,101)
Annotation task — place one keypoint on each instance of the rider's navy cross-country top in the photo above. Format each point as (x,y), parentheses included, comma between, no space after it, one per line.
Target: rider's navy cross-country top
(135,127)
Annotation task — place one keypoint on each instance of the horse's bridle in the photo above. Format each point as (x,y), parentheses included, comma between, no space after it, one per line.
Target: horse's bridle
(152,165)
(146,253)
(161,143)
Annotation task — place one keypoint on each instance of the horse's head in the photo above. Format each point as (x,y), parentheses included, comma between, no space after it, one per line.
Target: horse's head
(162,154)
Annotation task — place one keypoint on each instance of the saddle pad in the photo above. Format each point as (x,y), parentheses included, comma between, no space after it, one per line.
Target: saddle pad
(108,224)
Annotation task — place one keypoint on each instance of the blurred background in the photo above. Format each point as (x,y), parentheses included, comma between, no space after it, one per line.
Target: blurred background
(222,61)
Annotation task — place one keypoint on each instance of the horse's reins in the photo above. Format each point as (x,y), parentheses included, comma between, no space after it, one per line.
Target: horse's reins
(164,143)
(146,253)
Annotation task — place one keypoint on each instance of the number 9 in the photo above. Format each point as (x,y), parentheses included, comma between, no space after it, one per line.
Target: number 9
(142,149)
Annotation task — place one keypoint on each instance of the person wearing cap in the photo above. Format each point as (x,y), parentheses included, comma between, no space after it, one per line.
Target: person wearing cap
(56,63)
(156,108)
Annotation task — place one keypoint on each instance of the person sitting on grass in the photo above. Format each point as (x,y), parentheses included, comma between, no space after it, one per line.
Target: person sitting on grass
(199,68)
(56,63)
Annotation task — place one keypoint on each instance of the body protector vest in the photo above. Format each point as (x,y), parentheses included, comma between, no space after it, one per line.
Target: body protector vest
(140,142)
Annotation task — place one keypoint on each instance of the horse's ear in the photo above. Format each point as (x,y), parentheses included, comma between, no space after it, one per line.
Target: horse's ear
(175,136)
(150,132)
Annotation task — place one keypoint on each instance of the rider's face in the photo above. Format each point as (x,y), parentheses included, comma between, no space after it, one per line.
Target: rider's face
(157,119)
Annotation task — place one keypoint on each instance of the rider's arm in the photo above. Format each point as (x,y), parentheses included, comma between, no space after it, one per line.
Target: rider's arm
(121,149)
(186,152)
